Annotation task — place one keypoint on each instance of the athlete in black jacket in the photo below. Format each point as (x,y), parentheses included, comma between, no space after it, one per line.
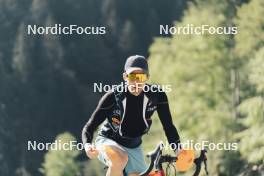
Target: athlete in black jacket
(126,115)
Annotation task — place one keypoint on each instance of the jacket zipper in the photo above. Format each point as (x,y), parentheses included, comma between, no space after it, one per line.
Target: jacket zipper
(123,116)
(145,102)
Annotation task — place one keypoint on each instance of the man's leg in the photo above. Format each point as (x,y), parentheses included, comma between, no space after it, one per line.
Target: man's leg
(133,174)
(118,158)
(136,163)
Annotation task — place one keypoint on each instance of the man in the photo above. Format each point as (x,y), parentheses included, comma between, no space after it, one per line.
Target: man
(127,116)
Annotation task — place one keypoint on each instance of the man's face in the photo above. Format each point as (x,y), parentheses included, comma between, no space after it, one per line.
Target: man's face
(136,81)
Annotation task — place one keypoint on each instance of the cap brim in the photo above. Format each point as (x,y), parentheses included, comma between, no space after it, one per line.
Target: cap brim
(131,69)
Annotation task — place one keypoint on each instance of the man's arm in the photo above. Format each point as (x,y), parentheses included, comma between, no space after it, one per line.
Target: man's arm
(166,119)
(99,115)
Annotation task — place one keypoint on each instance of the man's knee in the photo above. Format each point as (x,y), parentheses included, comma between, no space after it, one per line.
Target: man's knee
(118,157)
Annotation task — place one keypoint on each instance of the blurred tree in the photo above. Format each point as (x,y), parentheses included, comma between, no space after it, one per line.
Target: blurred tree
(94,168)
(42,88)
(250,25)
(249,50)
(62,162)
(213,74)
(5,136)
(128,37)
(199,68)
(252,136)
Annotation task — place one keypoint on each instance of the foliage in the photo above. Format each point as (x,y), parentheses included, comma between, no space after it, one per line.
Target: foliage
(214,80)
(250,24)
(252,143)
(62,162)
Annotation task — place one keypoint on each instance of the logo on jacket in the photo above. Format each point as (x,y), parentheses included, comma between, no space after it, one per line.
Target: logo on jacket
(152,108)
(115,121)
(117,112)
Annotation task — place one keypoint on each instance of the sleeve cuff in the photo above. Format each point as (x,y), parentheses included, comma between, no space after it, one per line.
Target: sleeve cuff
(87,146)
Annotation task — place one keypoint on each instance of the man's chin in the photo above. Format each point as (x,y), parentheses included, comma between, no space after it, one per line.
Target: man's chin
(136,92)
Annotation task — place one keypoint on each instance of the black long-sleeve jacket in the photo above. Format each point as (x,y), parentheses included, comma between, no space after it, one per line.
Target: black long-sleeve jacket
(126,117)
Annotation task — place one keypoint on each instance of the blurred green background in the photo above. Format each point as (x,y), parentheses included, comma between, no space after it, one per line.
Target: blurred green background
(46,81)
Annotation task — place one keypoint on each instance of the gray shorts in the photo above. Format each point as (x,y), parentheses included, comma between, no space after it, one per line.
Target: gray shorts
(136,161)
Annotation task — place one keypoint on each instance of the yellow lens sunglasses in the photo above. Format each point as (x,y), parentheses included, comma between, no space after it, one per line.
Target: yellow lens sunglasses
(137,77)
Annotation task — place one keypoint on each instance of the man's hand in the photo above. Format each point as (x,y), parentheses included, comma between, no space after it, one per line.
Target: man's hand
(91,151)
